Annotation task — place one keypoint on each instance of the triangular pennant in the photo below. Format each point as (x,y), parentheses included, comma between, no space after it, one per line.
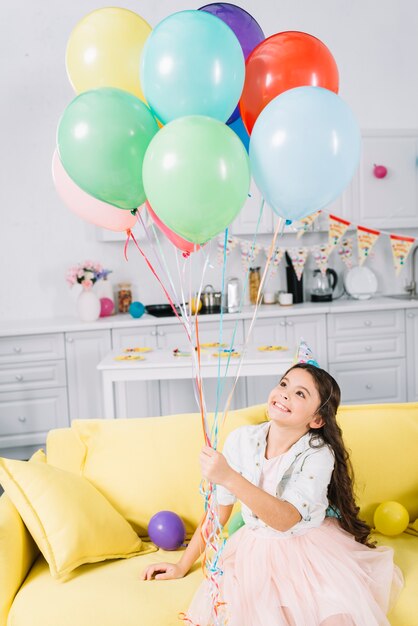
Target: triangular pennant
(401,247)
(275,259)
(366,238)
(345,252)
(337,228)
(305,223)
(230,245)
(298,256)
(248,252)
(320,254)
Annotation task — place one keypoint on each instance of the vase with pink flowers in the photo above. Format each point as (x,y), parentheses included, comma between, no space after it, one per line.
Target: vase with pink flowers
(86,274)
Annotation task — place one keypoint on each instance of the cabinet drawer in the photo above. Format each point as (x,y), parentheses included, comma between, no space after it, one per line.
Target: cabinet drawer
(33,411)
(365,324)
(22,348)
(371,381)
(366,348)
(44,374)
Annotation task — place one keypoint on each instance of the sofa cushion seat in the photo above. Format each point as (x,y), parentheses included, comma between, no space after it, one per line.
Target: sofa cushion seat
(107,594)
(112,593)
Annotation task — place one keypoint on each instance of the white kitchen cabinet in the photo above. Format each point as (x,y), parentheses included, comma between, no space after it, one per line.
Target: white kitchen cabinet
(246,222)
(390,202)
(84,349)
(33,391)
(412,354)
(286,331)
(366,352)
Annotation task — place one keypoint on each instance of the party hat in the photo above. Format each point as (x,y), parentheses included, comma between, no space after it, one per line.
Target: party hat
(304,354)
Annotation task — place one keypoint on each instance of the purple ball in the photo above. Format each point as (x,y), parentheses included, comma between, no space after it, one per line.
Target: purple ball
(166,529)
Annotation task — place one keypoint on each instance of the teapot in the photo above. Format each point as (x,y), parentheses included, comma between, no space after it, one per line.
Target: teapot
(323,285)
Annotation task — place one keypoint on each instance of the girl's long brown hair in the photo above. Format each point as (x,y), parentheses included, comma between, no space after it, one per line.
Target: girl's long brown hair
(340,490)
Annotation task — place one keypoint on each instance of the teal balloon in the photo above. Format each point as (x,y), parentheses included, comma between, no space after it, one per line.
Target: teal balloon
(235,523)
(196,177)
(102,139)
(136,309)
(304,150)
(192,64)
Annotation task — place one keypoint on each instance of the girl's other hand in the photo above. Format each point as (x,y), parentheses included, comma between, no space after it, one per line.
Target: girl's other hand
(163,571)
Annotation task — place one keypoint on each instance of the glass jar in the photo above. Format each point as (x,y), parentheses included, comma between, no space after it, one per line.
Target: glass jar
(254,282)
(124,297)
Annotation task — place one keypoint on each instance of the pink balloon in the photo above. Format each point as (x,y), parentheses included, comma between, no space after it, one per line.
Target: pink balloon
(179,242)
(85,206)
(106,307)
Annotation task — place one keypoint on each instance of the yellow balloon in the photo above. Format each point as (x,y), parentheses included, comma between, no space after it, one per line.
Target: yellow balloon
(104,50)
(391,518)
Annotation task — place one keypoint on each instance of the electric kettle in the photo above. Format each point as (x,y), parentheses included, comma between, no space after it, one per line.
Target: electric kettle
(323,285)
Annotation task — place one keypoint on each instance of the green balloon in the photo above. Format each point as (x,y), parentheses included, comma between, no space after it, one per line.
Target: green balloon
(196,176)
(235,523)
(102,139)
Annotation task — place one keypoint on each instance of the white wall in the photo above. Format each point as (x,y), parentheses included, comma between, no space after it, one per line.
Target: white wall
(376,49)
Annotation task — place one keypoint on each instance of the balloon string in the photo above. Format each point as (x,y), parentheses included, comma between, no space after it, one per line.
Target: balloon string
(279,229)
(244,291)
(158,278)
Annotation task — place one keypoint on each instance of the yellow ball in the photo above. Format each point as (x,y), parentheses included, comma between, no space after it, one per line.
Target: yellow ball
(195,305)
(391,518)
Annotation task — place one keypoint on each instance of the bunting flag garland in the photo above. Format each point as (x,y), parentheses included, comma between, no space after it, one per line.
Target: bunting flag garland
(306,222)
(275,259)
(298,257)
(345,252)
(401,247)
(320,254)
(248,252)
(366,238)
(337,228)
(230,245)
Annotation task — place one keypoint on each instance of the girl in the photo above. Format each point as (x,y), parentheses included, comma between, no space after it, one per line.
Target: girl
(290,565)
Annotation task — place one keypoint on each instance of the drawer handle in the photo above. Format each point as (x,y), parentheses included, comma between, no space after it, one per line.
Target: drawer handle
(368,348)
(369,386)
(17,349)
(22,419)
(282,323)
(153,333)
(410,315)
(161,333)
(19,377)
(289,323)
(70,340)
(367,323)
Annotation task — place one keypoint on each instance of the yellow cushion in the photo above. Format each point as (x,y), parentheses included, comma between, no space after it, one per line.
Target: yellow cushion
(112,594)
(106,594)
(71,522)
(383,439)
(17,550)
(146,465)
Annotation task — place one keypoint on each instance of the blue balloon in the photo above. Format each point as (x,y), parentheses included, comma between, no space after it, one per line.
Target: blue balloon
(239,128)
(304,150)
(136,309)
(192,64)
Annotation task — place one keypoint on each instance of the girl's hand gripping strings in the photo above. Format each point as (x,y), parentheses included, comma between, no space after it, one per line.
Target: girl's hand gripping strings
(214,466)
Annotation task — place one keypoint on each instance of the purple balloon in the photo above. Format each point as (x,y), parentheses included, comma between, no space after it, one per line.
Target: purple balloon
(166,529)
(245,27)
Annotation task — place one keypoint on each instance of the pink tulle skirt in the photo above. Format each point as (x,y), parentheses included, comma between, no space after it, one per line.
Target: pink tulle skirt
(323,577)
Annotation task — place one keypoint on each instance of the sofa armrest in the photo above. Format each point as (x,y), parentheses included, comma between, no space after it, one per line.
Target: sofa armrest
(18,551)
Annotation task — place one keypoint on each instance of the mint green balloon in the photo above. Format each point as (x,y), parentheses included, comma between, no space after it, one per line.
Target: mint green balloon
(196,176)
(102,138)
(235,523)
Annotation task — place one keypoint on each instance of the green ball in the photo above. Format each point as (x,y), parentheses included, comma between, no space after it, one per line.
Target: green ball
(235,523)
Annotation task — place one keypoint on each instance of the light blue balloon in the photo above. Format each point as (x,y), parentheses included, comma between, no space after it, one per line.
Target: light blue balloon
(304,150)
(192,64)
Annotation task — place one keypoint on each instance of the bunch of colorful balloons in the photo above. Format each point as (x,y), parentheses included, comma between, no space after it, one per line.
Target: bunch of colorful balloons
(165,115)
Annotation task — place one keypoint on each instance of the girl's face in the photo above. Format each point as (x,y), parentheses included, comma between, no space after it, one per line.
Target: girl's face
(293,403)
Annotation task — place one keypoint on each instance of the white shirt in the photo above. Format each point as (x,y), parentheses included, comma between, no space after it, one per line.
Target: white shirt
(303,476)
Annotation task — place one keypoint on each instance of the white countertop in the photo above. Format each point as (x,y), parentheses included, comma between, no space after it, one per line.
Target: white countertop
(70,323)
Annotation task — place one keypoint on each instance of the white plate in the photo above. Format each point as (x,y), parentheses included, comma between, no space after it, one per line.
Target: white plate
(360,283)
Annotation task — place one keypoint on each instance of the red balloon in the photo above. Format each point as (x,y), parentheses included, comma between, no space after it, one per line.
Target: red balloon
(106,307)
(281,62)
(182,244)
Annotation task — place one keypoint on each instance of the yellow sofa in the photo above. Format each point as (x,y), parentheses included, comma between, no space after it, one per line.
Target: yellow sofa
(146,465)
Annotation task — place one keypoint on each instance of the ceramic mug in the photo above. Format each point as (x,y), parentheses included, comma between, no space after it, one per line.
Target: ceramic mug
(285,299)
(269,297)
